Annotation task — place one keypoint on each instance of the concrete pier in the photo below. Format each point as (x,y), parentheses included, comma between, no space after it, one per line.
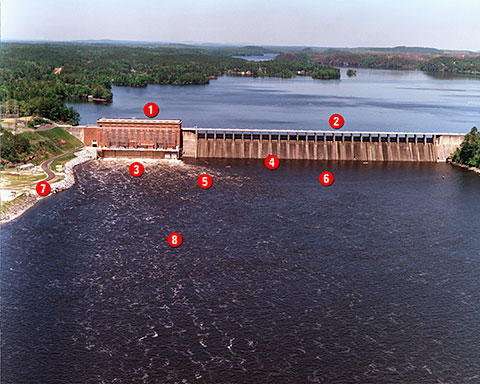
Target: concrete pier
(319,145)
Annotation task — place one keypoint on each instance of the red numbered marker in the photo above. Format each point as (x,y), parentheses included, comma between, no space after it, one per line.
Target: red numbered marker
(272,162)
(43,188)
(326,178)
(336,121)
(136,169)
(205,181)
(174,239)
(151,109)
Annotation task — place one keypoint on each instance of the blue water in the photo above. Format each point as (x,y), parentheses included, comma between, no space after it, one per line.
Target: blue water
(374,100)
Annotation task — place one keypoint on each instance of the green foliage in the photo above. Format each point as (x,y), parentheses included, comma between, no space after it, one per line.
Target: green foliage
(35,147)
(454,64)
(351,72)
(42,77)
(36,121)
(466,65)
(14,148)
(469,151)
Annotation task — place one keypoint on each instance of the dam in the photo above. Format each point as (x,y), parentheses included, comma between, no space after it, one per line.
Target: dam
(167,139)
(318,145)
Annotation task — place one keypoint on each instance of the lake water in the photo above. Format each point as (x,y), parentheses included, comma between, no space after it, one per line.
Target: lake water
(374,100)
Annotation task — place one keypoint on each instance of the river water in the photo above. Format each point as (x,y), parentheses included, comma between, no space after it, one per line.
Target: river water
(374,100)
(375,279)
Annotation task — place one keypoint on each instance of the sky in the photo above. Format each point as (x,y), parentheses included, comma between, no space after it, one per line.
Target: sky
(447,24)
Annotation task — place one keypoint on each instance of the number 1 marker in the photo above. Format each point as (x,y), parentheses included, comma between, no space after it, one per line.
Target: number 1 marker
(151,109)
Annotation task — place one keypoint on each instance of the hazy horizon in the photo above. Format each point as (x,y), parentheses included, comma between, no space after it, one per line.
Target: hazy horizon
(442,24)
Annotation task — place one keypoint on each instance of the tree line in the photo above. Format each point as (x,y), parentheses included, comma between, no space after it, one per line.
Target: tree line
(451,64)
(469,151)
(42,77)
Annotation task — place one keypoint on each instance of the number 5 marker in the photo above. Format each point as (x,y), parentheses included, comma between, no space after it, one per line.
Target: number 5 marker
(205,181)
(326,178)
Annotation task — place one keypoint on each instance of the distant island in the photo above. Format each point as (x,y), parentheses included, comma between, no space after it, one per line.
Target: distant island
(464,63)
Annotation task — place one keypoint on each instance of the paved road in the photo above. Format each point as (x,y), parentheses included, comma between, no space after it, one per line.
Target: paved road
(46,168)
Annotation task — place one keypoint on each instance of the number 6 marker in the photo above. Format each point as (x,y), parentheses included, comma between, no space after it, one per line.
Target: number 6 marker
(326,178)
(174,239)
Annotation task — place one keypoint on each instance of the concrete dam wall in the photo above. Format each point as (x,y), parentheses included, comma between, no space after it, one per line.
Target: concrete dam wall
(318,145)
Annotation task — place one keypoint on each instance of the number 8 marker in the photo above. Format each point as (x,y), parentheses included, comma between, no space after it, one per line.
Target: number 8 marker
(326,178)
(174,239)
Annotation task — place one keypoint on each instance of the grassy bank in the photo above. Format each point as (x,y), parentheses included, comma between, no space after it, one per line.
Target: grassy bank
(35,147)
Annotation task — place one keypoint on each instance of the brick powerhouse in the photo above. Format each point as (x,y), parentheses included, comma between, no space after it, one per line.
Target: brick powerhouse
(134,133)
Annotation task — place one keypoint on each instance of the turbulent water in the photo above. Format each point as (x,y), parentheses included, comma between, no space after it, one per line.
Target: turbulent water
(375,279)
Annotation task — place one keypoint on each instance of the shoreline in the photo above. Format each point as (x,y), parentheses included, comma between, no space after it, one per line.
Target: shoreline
(473,169)
(30,198)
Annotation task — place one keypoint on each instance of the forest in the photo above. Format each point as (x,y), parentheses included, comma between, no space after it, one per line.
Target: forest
(469,151)
(462,64)
(42,77)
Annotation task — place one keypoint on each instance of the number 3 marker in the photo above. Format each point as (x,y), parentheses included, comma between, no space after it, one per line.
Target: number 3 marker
(136,169)
(272,162)
(174,239)
(326,178)
(43,188)
(336,121)
(205,181)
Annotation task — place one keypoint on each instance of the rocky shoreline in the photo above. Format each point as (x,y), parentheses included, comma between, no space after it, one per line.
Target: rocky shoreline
(476,170)
(24,203)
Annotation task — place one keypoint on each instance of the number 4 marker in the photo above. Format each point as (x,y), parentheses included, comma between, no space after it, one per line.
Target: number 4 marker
(272,162)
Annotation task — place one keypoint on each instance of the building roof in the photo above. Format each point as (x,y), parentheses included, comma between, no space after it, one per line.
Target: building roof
(141,121)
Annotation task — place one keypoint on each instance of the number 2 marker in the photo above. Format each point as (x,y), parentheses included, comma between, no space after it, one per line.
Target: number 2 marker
(43,188)
(175,239)
(272,162)
(336,121)
(205,181)
(326,178)
(136,169)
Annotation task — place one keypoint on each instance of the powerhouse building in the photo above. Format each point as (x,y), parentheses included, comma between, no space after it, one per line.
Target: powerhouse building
(134,134)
